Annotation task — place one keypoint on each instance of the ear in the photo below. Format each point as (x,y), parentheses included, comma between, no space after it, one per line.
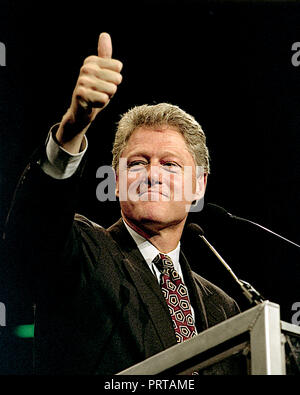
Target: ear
(117,191)
(201,183)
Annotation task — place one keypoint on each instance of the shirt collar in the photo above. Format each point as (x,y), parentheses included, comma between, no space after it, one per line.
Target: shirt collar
(149,251)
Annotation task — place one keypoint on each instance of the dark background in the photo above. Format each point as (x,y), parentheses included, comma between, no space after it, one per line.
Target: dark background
(226,63)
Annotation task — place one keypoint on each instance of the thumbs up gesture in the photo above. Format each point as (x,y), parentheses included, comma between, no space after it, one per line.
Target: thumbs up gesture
(98,80)
(99,76)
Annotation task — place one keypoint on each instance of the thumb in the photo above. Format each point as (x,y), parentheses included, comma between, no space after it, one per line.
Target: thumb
(104,46)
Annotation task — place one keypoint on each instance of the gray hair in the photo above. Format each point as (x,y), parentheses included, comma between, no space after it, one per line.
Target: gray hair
(159,115)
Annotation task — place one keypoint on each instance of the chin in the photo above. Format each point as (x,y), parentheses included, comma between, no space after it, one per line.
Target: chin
(151,212)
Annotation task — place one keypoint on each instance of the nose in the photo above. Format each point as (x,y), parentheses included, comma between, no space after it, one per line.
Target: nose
(153,175)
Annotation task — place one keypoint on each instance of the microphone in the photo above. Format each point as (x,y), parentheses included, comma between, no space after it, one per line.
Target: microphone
(253,296)
(223,212)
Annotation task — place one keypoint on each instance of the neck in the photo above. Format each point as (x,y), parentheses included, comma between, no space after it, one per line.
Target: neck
(165,239)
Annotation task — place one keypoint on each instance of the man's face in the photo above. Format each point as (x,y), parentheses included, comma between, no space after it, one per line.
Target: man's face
(156,180)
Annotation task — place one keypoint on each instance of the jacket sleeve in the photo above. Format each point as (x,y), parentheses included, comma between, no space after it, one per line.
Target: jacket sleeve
(39,238)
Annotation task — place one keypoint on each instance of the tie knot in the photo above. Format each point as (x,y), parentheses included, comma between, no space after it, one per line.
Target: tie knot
(163,263)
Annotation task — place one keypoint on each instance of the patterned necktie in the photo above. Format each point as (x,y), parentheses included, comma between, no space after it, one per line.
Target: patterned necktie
(175,293)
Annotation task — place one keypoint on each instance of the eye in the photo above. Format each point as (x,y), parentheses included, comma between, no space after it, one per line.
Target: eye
(172,167)
(137,165)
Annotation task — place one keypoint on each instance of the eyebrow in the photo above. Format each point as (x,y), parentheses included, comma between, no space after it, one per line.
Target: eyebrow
(164,153)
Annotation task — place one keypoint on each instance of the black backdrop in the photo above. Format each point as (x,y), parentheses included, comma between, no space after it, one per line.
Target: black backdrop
(227,63)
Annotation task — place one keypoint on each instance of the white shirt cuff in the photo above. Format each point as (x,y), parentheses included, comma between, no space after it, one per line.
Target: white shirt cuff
(60,163)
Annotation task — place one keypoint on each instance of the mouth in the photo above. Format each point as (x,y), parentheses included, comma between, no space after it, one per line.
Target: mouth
(154,193)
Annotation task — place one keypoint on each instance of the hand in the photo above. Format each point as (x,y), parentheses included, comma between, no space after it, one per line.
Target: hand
(98,80)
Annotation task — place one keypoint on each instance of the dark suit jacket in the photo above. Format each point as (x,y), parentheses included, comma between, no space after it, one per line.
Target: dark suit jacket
(99,309)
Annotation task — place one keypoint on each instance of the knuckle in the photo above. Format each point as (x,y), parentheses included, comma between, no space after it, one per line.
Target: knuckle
(120,78)
(87,69)
(91,58)
(101,100)
(80,92)
(82,81)
(114,89)
(105,97)
(119,65)
(84,69)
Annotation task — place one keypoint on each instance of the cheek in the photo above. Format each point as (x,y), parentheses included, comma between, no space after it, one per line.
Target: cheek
(133,177)
(128,185)
(189,186)
(176,182)
(182,187)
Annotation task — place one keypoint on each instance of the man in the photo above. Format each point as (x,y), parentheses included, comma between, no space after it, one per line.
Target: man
(101,295)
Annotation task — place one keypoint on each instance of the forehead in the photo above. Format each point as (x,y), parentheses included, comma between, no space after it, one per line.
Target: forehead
(157,138)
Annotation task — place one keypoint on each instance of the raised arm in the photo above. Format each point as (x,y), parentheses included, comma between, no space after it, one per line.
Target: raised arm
(39,235)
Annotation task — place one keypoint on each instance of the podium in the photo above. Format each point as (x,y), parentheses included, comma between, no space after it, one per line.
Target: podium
(255,342)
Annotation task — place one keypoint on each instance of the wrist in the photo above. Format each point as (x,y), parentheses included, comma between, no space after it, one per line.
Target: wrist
(70,134)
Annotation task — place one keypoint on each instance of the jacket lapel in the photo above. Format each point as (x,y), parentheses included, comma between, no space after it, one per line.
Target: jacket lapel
(145,283)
